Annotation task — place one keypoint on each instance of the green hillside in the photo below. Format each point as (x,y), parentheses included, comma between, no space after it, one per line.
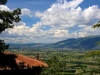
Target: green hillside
(86,43)
(79,43)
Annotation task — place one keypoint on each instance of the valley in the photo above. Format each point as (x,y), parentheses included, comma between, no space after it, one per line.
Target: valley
(65,62)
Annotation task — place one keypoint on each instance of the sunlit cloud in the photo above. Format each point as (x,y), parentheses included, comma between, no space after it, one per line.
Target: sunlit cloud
(64,19)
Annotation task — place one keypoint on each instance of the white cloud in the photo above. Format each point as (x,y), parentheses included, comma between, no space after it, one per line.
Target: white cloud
(81,26)
(65,15)
(24,11)
(27,12)
(62,14)
(64,19)
(3,7)
(19,30)
(91,13)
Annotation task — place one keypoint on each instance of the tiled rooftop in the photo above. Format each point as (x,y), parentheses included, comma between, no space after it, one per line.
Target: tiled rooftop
(30,61)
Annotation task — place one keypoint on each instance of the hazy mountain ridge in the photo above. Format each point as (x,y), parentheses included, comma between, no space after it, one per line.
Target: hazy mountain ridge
(79,43)
(25,46)
(73,43)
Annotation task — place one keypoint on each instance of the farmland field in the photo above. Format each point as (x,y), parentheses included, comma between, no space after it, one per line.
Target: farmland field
(65,62)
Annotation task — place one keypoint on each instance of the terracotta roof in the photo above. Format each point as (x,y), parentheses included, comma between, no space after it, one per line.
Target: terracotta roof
(32,62)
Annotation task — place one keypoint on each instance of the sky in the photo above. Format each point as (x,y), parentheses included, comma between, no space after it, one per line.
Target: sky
(50,21)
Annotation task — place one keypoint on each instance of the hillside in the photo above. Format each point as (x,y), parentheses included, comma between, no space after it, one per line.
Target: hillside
(72,43)
(79,43)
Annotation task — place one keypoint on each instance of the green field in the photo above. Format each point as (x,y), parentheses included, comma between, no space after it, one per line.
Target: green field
(65,62)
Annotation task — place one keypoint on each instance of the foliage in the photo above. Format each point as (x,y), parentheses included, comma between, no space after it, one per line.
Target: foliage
(8,60)
(65,62)
(93,53)
(56,67)
(7,19)
(97,25)
(3,1)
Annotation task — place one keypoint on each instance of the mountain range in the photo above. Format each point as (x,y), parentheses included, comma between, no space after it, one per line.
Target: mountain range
(85,43)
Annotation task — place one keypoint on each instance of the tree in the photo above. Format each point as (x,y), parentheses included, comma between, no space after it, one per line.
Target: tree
(97,25)
(56,67)
(3,1)
(94,53)
(7,19)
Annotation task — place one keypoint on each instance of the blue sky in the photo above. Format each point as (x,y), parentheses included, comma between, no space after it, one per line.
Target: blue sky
(50,21)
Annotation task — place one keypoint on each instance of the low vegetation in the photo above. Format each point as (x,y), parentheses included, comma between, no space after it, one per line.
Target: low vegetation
(66,62)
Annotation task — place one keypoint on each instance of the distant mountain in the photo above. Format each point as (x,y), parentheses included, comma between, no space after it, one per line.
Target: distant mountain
(25,46)
(79,43)
(86,43)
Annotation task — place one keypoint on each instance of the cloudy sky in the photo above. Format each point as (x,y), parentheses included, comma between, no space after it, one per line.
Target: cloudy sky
(50,21)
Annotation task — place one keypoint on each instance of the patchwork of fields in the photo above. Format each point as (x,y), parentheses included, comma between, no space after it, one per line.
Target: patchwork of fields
(65,62)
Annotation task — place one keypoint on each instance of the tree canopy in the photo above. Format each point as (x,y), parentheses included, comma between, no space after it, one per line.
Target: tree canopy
(97,25)
(3,2)
(95,52)
(7,19)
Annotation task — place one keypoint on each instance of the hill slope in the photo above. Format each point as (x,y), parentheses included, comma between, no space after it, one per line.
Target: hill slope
(72,43)
(79,43)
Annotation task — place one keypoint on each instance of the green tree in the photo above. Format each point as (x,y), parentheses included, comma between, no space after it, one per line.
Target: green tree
(97,25)
(94,53)
(7,19)
(56,67)
(3,2)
